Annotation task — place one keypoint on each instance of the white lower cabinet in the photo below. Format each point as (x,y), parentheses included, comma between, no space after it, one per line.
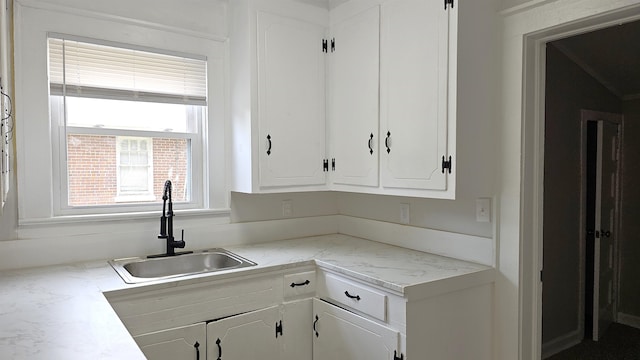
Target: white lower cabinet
(296,342)
(248,336)
(292,316)
(276,333)
(340,334)
(186,342)
(452,321)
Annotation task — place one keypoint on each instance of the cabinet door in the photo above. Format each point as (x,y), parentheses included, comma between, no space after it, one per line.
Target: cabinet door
(291,101)
(249,336)
(187,342)
(414,78)
(340,334)
(296,342)
(354,70)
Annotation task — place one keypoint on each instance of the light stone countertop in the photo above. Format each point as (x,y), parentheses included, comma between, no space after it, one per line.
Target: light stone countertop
(60,312)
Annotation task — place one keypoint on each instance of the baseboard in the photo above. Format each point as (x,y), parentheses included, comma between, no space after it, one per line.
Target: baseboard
(563,342)
(460,246)
(629,320)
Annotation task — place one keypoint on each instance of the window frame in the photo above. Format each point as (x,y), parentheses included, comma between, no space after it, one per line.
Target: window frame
(39,190)
(60,166)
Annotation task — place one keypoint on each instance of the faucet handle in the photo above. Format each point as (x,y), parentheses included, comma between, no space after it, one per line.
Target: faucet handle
(163,227)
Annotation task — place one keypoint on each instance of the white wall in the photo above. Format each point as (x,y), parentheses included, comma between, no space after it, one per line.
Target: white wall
(200,16)
(261,207)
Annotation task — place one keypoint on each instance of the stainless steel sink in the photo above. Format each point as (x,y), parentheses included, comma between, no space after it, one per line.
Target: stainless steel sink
(140,269)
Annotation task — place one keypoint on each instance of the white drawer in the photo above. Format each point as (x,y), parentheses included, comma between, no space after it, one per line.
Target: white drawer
(297,284)
(354,295)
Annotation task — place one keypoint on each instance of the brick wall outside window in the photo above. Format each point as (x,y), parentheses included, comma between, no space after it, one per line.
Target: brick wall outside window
(170,160)
(92,168)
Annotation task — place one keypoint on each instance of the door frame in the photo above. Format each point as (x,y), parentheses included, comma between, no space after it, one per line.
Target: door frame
(532,166)
(586,116)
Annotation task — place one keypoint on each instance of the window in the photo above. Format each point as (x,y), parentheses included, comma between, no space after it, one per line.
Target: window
(125,120)
(134,168)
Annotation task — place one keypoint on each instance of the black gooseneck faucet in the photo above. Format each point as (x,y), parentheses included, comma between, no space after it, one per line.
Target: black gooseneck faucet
(166,224)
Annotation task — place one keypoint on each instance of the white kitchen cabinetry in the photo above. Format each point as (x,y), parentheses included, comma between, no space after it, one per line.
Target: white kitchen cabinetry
(249,336)
(296,342)
(391,104)
(185,342)
(291,107)
(392,81)
(448,321)
(414,80)
(340,334)
(245,317)
(352,316)
(276,333)
(353,97)
(278,96)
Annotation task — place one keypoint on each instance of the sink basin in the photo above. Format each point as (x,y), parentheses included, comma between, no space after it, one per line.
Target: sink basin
(139,269)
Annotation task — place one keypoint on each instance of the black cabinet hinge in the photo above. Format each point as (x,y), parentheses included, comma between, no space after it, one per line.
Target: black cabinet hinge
(447,3)
(279,328)
(447,164)
(396,357)
(325,164)
(326,43)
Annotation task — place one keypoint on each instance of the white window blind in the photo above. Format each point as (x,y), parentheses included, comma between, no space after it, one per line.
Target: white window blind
(86,69)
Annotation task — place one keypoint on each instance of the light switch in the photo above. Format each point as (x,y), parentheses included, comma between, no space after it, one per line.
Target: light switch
(483,210)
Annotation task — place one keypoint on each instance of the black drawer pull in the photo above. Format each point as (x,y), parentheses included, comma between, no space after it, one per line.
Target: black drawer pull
(387,141)
(197,346)
(307,282)
(269,142)
(219,349)
(357,297)
(314,326)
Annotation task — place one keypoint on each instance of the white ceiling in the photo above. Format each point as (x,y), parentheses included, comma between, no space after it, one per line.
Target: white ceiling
(610,55)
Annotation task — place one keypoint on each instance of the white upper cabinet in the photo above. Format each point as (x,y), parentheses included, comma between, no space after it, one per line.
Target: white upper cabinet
(353,98)
(413,94)
(385,106)
(277,83)
(291,106)
(396,76)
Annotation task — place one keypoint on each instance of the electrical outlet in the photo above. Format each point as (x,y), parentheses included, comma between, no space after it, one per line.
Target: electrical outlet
(405,215)
(287,208)
(483,210)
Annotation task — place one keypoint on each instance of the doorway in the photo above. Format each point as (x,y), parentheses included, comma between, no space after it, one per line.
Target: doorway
(529,48)
(600,213)
(581,201)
